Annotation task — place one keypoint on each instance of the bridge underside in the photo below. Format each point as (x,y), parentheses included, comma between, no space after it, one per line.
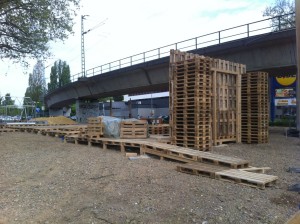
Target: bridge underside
(274,53)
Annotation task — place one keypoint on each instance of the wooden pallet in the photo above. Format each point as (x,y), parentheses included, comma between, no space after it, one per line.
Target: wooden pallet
(200,169)
(251,179)
(188,155)
(255,108)
(134,130)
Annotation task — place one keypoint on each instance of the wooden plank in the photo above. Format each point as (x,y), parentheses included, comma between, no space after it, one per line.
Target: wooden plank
(247,178)
(200,169)
(295,219)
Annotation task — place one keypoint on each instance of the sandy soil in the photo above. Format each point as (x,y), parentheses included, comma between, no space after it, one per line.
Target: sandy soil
(43,180)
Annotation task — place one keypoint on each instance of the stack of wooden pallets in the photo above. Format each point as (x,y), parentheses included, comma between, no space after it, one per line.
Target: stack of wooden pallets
(204,96)
(94,127)
(226,100)
(134,129)
(159,129)
(255,108)
(190,104)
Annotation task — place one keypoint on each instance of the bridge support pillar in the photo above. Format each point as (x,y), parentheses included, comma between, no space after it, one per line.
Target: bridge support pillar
(86,109)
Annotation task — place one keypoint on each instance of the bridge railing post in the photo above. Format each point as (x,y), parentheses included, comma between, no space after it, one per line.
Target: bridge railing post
(248,30)
(196,44)
(144,56)
(279,23)
(219,37)
(130,60)
(109,65)
(158,52)
(119,63)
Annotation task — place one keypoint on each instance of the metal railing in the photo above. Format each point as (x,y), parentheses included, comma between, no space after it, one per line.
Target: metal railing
(275,24)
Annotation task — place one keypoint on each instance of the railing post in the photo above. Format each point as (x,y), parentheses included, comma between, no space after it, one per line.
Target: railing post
(144,56)
(119,63)
(279,23)
(248,30)
(176,46)
(109,66)
(196,43)
(219,37)
(101,69)
(93,71)
(158,52)
(130,60)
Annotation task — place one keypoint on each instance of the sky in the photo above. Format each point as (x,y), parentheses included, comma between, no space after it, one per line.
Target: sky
(131,27)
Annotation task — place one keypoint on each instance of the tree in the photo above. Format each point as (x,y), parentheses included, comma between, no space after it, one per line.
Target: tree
(36,83)
(60,75)
(281,7)
(118,98)
(27,26)
(7,100)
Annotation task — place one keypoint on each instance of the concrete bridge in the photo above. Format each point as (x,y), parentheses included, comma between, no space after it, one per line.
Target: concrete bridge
(271,51)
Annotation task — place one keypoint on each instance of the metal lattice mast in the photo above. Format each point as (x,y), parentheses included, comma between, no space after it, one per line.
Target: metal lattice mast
(82,48)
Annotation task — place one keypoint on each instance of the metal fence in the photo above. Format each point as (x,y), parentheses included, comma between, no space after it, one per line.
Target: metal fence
(275,24)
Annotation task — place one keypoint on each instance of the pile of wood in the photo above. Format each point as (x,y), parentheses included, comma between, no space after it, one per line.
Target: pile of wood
(134,129)
(94,127)
(255,108)
(205,96)
(190,104)
(226,100)
(159,129)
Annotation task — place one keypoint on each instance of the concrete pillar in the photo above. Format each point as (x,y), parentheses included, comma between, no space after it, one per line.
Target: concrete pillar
(86,109)
(297,6)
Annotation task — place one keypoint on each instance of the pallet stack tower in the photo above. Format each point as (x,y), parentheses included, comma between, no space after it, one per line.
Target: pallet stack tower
(205,98)
(190,100)
(255,109)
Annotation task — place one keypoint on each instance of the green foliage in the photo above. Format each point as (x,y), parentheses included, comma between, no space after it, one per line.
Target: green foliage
(60,75)
(36,83)
(7,100)
(118,98)
(73,110)
(27,26)
(281,7)
(105,99)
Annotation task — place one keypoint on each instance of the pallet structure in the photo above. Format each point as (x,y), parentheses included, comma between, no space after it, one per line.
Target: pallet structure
(190,101)
(134,129)
(94,127)
(159,129)
(197,162)
(240,176)
(255,108)
(226,101)
(205,97)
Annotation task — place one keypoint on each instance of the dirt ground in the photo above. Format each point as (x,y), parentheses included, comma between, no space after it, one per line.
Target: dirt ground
(43,180)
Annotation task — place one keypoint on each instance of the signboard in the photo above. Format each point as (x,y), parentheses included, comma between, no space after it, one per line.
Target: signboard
(285,102)
(286,80)
(285,93)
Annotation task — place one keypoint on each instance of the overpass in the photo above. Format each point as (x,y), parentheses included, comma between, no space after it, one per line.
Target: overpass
(259,45)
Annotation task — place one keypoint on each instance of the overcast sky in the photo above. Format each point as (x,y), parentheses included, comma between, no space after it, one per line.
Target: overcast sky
(134,26)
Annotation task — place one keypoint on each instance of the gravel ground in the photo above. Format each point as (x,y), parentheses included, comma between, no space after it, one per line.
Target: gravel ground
(43,180)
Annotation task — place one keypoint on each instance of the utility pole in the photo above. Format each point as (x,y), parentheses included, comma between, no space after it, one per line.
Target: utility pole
(297,6)
(82,47)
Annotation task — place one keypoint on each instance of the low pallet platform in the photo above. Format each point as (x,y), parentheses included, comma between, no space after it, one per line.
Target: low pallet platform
(187,155)
(201,169)
(251,179)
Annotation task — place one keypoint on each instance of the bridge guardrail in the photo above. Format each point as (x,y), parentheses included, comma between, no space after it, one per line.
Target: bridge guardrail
(274,24)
